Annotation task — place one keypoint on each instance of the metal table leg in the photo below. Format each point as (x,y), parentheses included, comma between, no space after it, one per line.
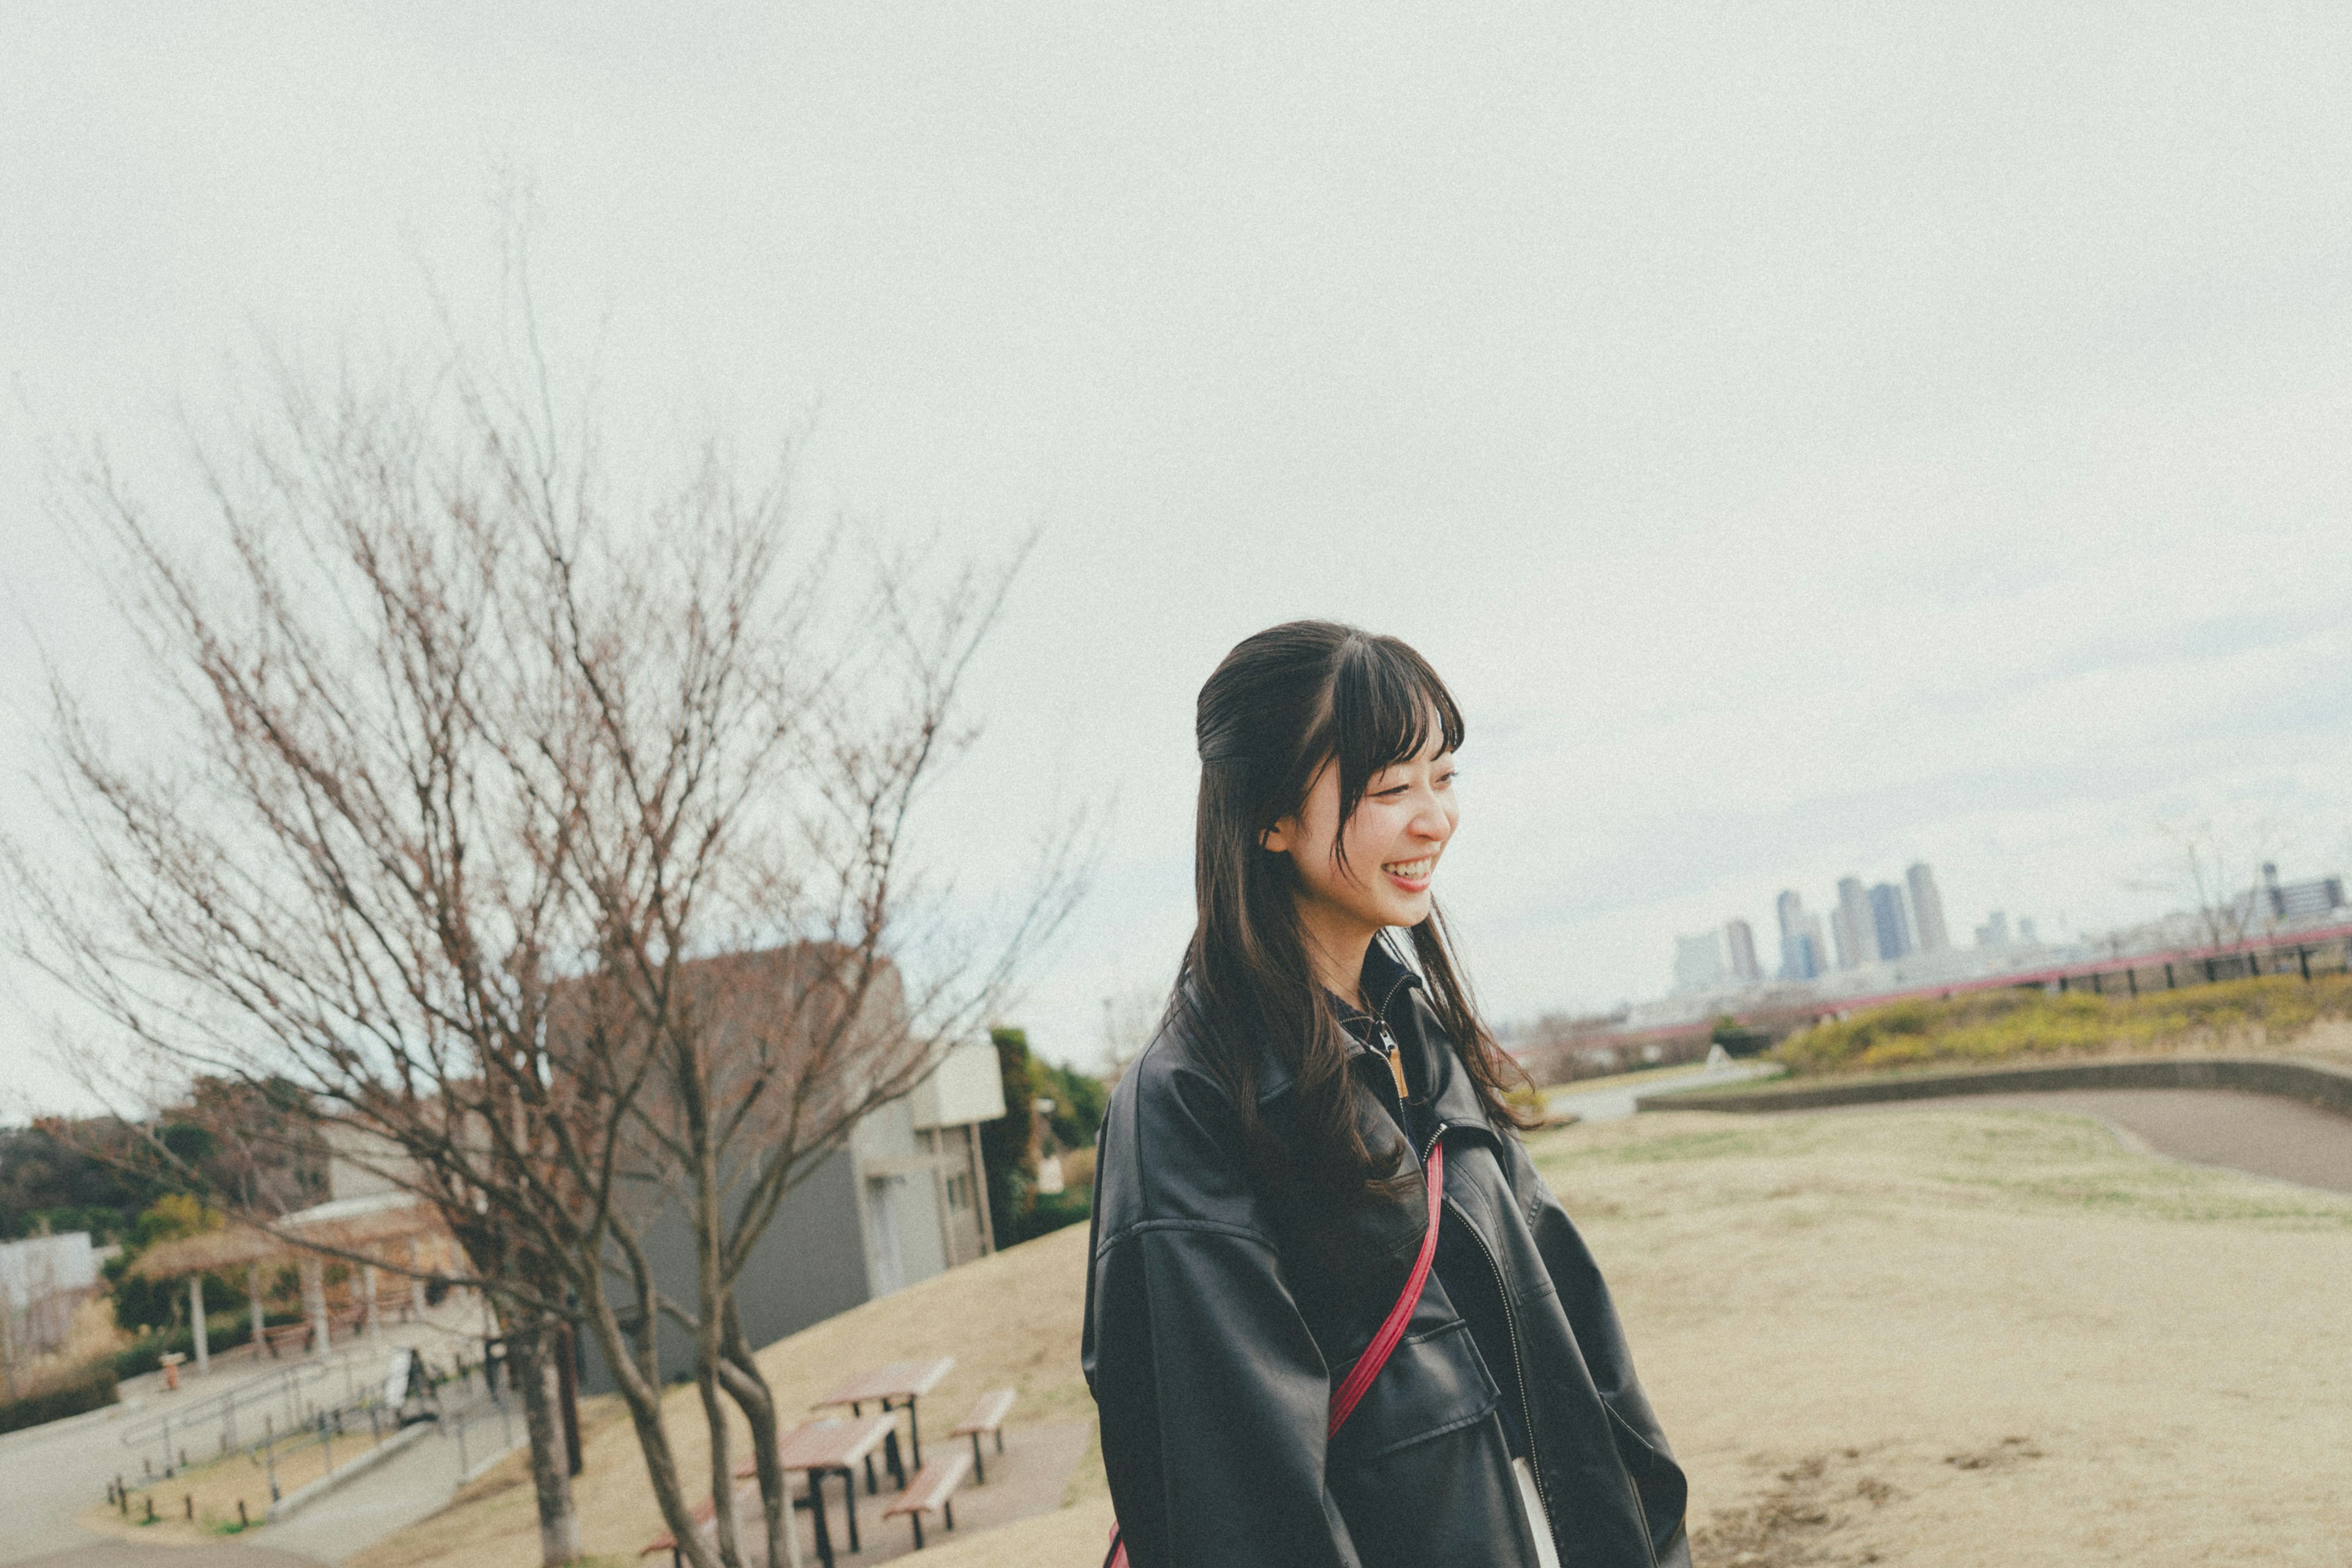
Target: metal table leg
(816,1512)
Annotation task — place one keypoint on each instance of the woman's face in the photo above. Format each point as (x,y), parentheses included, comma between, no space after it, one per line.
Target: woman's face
(1393,843)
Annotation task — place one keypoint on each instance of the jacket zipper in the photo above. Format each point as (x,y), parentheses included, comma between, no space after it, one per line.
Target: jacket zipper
(1519,1375)
(1519,1360)
(1392,1052)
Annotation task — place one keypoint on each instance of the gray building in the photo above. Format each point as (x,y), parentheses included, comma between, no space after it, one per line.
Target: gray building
(1740,942)
(2292,903)
(1698,963)
(1926,909)
(1890,922)
(1857,939)
(1804,953)
(904,1198)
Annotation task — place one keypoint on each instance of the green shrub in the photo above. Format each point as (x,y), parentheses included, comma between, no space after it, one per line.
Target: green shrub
(90,1389)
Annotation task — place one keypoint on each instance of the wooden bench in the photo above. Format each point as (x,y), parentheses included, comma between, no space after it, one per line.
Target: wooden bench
(987,1416)
(705,1516)
(933,1488)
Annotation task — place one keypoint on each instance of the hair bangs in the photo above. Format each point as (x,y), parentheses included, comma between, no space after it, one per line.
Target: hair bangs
(1383,701)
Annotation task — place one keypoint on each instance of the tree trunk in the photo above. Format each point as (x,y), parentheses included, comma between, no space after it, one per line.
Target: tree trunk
(722,1467)
(532,1369)
(748,1387)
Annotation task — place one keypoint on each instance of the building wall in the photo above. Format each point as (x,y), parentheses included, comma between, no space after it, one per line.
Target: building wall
(1927,908)
(1889,921)
(877,1215)
(1857,940)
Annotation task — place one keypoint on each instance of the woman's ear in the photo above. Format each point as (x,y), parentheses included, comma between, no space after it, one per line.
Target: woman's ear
(1277,839)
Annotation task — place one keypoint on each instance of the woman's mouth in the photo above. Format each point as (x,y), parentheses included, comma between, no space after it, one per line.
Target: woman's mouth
(1412,876)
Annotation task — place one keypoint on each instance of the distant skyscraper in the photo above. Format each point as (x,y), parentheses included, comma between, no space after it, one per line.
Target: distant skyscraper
(1889,921)
(1994,933)
(1698,961)
(1926,909)
(1803,955)
(1857,943)
(2025,932)
(1739,941)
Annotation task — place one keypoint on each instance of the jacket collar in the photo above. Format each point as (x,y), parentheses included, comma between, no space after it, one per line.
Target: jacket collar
(1390,983)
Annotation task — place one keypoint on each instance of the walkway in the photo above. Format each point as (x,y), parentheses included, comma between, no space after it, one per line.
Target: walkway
(2260,1134)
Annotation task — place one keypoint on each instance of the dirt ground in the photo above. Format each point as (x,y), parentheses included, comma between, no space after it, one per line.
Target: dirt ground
(1943,1337)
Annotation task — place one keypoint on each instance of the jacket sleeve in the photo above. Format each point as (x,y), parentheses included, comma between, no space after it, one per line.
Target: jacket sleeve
(1212,1395)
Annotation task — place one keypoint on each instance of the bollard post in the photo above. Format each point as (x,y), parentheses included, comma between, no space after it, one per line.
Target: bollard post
(241,1522)
(188,1502)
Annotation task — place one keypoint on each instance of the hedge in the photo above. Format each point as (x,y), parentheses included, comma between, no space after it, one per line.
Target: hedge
(92,1389)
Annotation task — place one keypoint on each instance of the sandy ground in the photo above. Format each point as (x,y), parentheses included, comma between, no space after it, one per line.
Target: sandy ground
(1955,1339)
(1934,1335)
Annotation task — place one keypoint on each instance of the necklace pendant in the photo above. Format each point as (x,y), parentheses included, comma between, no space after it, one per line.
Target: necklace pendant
(1396,1071)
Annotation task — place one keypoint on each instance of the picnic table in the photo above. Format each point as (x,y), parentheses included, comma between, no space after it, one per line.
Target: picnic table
(895,1385)
(821,1448)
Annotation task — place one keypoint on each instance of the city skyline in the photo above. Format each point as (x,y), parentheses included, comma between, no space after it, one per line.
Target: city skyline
(1888,923)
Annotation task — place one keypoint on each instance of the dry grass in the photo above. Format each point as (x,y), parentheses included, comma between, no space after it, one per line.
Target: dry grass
(1953,1339)
(2274,1013)
(215,1490)
(1970,1339)
(1011,1319)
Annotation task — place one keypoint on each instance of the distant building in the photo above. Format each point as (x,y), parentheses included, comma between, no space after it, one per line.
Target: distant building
(42,1279)
(903,1199)
(2025,932)
(1739,942)
(1994,933)
(1804,955)
(2298,901)
(1698,961)
(1890,922)
(1926,909)
(1857,940)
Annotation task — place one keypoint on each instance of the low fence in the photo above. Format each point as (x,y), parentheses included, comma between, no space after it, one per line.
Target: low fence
(2313,1083)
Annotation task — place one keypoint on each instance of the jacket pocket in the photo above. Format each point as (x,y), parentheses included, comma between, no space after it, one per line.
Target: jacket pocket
(1421,1471)
(1433,1383)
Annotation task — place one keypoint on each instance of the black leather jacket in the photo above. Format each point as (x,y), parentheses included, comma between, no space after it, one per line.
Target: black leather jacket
(1220,1316)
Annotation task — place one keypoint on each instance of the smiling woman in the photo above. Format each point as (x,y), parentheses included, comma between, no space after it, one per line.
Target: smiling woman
(1333,1316)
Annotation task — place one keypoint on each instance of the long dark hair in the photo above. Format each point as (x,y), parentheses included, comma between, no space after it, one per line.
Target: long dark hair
(1280,706)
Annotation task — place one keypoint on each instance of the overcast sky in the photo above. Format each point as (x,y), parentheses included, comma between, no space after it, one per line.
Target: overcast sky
(1808,438)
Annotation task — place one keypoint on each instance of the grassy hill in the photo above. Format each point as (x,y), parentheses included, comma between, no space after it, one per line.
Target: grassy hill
(1010,1319)
(2272,1012)
(1890,1337)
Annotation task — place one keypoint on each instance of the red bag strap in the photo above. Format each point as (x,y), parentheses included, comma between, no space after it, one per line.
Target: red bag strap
(1351,1388)
(1384,1343)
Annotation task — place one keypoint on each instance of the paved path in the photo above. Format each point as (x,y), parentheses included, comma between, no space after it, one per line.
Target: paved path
(1609,1104)
(2260,1134)
(133,1554)
(49,1474)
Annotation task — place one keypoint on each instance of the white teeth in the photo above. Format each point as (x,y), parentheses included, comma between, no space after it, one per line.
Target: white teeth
(1413,870)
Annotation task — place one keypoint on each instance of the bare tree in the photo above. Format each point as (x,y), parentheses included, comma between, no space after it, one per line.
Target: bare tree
(2218,869)
(566,852)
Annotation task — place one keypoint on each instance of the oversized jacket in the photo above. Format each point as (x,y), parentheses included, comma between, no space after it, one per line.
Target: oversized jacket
(1220,1315)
